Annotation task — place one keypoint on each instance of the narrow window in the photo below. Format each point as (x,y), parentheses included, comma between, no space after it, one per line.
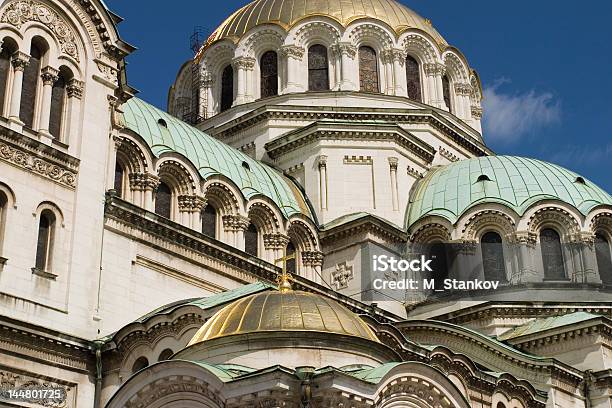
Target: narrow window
(413,79)
(209,221)
(251,240)
(604,258)
(5,69)
(31,79)
(58,102)
(291,263)
(493,257)
(318,68)
(227,88)
(140,364)
(119,177)
(368,70)
(552,254)
(44,246)
(165,355)
(269,74)
(439,264)
(3,209)
(446,91)
(163,200)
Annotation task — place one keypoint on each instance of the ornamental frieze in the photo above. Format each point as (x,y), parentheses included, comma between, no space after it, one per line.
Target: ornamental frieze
(12,380)
(37,165)
(20,12)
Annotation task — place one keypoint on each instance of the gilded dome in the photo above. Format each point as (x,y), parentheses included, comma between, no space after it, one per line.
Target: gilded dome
(289,311)
(287,13)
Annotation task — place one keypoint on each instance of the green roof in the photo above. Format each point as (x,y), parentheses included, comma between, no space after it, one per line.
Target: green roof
(373,375)
(212,157)
(515,182)
(540,325)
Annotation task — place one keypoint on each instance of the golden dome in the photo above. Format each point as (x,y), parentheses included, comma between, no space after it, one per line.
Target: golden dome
(292,311)
(286,13)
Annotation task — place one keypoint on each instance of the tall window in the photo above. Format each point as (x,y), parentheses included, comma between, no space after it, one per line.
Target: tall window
(552,254)
(291,263)
(413,79)
(5,69)
(439,264)
(163,200)
(44,246)
(209,221)
(119,177)
(227,88)
(318,68)
(493,257)
(3,205)
(446,91)
(368,70)
(58,102)
(251,240)
(269,74)
(31,79)
(604,258)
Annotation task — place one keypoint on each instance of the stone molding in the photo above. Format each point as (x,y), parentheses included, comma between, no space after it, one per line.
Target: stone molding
(191,203)
(292,51)
(342,275)
(75,88)
(448,155)
(235,222)
(275,241)
(11,378)
(485,218)
(20,60)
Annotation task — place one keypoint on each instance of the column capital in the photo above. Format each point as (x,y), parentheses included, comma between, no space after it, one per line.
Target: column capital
(322,161)
(75,88)
(292,51)
(346,49)
(191,203)
(20,60)
(208,80)
(393,162)
(144,181)
(235,222)
(525,238)
(477,112)
(245,63)
(434,69)
(312,258)
(49,75)
(463,88)
(275,241)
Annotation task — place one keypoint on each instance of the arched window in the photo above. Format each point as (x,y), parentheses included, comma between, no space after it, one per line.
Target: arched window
(227,88)
(163,200)
(251,240)
(119,179)
(552,254)
(5,70)
(44,245)
(269,74)
(31,80)
(140,364)
(413,79)
(58,103)
(501,405)
(493,257)
(439,264)
(446,91)
(368,70)
(604,258)
(165,355)
(291,263)
(318,68)
(209,221)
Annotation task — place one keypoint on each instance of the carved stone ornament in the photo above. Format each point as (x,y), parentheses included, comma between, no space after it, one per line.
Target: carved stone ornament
(21,12)
(9,380)
(292,51)
(75,88)
(342,276)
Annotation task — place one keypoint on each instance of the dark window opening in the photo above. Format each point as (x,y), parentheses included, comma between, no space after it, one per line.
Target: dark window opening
(209,221)
(483,177)
(413,77)
(251,240)
(439,264)
(163,200)
(269,74)
(493,257)
(163,123)
(140,364)
(44,244)
(119,177)
(446,91)
(58,102)
(31,79)
(227,88)
(604,258)
(552,254)
(318,68)
(165,355)
(368,70)
(291,263)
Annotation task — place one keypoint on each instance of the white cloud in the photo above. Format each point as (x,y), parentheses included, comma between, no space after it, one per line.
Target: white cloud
(509,117)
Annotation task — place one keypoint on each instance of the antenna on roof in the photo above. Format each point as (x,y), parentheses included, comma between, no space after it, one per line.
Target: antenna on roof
(197,39)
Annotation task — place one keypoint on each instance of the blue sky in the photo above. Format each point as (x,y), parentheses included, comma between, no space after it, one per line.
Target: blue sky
(546,67)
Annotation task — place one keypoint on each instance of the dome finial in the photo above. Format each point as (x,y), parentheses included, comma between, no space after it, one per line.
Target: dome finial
(284,279)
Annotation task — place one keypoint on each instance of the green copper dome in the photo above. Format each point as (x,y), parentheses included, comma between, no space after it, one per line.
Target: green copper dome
(166,134)
(515,182)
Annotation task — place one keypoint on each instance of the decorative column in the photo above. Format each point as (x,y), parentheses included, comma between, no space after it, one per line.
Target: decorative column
(393,162)
(274,246)
(143,185)
(293,56)
(347,53)
(312,262)
(463,92)
(74,92)
(477,117)
(190,207)
(243,66)
(387,58)
(524,241)
(208,106)
(234,226)
(20,61)
(323,182)
(434,73)
(49,76)
(399,72)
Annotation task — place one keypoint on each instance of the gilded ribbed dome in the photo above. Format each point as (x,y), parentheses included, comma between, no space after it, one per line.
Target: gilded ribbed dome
(286,13)
(290,311)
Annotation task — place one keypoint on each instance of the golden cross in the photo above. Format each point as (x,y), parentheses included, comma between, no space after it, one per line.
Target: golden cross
(284,279)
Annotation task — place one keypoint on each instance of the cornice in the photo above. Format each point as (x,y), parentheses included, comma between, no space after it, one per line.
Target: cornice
(597,326)
(366,224)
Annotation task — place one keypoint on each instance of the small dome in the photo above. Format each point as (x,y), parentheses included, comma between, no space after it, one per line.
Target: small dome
(287,13)
(275,311)
(515,182)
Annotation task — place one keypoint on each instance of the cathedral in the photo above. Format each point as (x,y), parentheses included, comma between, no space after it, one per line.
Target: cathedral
(231,250)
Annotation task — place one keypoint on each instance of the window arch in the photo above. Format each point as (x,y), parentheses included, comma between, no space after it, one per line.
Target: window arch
(8,49)
(140,364)
(413,79)
(119,179)
(368,69)
(493,257)
(446,91)
(165,355)
(59,97)
(45,240)
(209,221)
(251,240)
(31,81)
(291,263)
(318,68)
(268,65)
(552,254)
(227,88)
(501,405)
(604,258)
(163,200)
